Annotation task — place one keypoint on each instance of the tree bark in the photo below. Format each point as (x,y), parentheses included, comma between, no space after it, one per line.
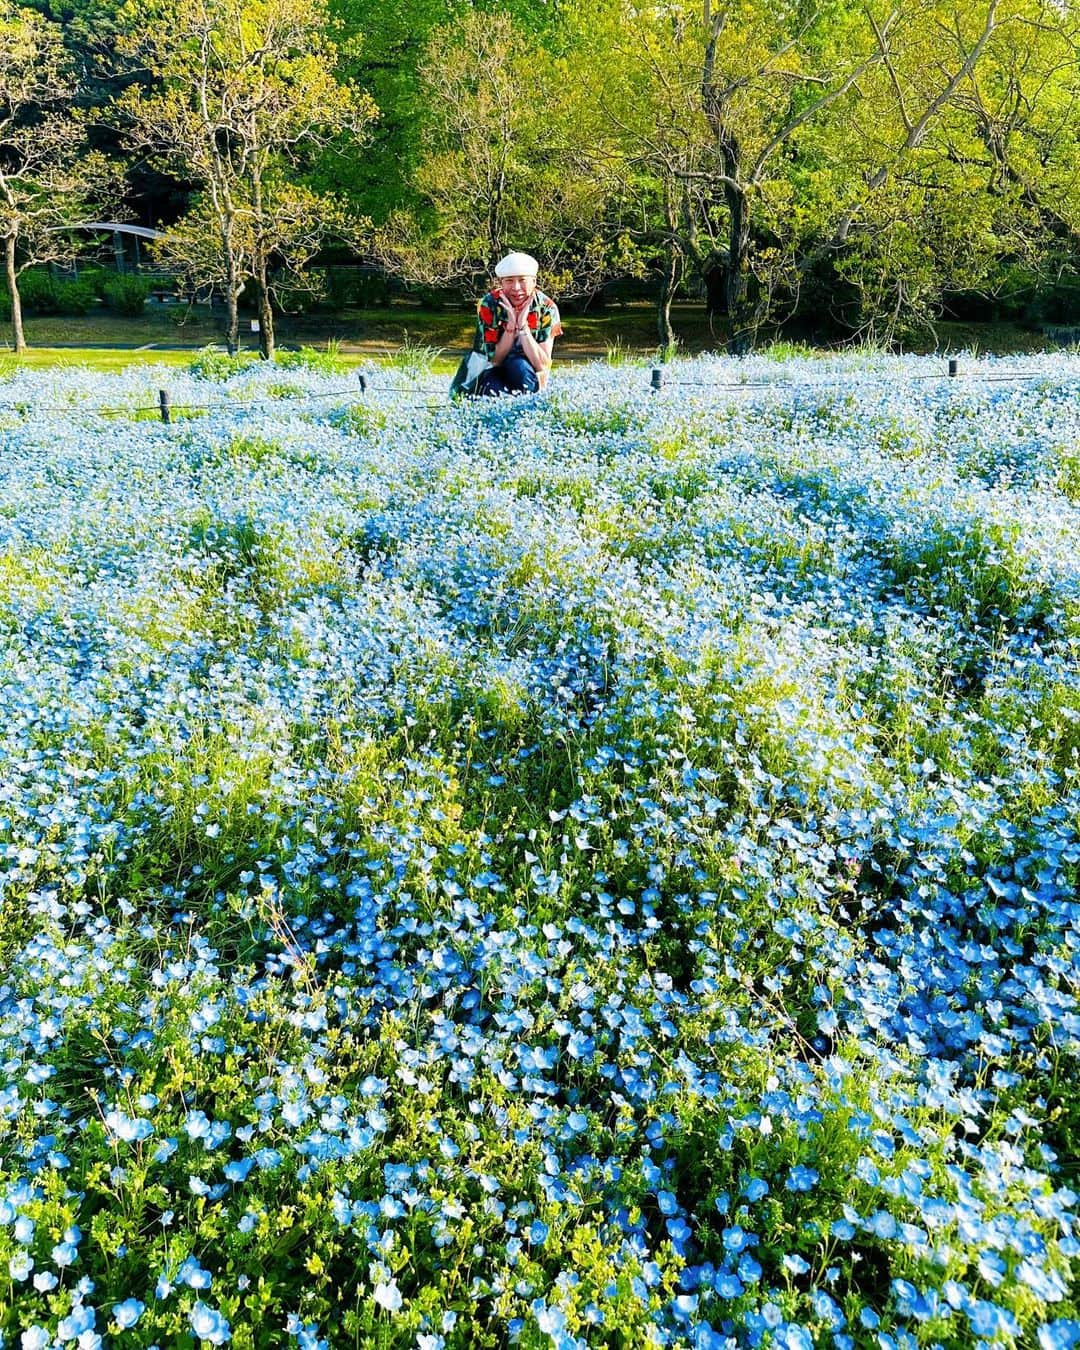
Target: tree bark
(266,316)
(16,303)
(672,273)
(669,283)
(233,286)
(232,319)
(737,283)
(740,311)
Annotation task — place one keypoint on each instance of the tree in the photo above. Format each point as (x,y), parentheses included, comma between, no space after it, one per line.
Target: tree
(919,215)
(706,107)
(635,105)
(774,143)
(499,168)
(386,45)
(1023,107)
(45,182)
(247,93)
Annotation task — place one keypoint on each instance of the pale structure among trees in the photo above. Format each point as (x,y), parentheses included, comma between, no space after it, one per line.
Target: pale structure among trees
(245,90)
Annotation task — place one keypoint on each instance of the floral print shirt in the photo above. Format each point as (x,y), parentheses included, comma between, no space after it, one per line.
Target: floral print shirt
(543,320)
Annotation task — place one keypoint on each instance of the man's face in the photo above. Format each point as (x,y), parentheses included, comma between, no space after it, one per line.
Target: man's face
(518,289)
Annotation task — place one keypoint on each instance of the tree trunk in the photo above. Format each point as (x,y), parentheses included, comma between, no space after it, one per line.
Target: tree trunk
(260,255)
(234,282)
(672,274)
(729,147)
(737,290)
(266,317)
(16,302)
(669,284)
(715,279)
(232,318)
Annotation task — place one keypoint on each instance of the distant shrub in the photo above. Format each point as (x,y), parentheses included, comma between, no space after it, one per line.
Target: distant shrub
(620,353)
(42,293)
(353,288)
(96,277)
(125,294)
(432,297)
(413,358)
(783,350)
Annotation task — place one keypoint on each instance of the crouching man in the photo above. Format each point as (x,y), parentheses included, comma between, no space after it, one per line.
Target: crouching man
(516,328)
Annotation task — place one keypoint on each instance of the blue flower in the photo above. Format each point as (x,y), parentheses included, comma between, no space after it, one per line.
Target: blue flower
(128,1313)
(127,1129)
(735,1239)
(801,1178)
(238,1170)
(20,1265)
(881,1224)
(207,1324)
(193,1275)
(77,1323)
(1063,1334)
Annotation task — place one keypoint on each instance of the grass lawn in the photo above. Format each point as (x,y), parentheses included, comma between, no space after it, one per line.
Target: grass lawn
(170,334)
(98,358)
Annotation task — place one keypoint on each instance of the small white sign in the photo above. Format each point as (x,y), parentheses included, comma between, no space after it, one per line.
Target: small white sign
(254,325)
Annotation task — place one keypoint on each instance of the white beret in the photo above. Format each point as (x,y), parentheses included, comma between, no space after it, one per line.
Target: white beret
(517,265)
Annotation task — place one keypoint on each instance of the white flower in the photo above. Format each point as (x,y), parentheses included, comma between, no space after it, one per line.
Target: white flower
(388,1296)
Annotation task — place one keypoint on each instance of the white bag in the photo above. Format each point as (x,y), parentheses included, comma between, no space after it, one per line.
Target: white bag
(468,372)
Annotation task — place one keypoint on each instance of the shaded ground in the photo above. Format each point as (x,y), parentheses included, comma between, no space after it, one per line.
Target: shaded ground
(373,333)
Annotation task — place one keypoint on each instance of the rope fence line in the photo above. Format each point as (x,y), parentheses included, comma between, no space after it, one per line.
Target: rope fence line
(165,408)
(658,383)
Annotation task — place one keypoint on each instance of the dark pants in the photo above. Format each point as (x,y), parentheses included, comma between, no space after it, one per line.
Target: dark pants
(514,376)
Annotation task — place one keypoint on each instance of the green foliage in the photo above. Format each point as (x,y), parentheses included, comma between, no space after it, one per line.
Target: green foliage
(413,358)
(1068,479)
(306,295)
(619,353)
(327,361)
(363,420)
(214,364)
(125,293)
(356,288)
(42,293)
(606,162)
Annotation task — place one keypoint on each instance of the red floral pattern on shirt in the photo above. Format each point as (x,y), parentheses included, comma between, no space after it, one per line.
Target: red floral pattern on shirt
(542,318)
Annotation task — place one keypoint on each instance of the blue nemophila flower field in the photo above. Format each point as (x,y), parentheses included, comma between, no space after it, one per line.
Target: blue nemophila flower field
(598,870)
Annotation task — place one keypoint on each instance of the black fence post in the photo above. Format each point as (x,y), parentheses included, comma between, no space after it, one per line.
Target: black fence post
(166,411)
(657,379)
(954,367)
